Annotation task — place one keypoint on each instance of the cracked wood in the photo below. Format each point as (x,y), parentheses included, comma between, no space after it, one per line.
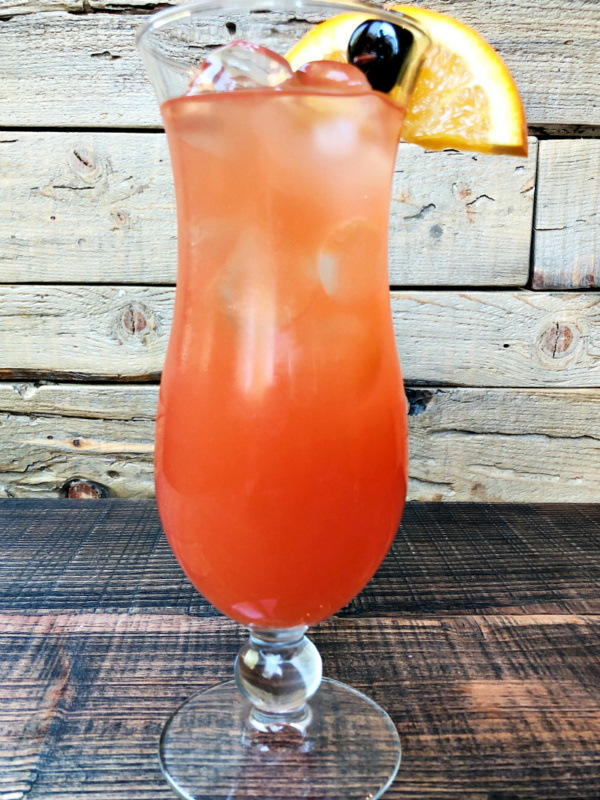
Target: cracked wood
(465,444)
(448,208)
(520,339)
(77,207)
(87,208)
(60,439)
(498,445)
(84,331)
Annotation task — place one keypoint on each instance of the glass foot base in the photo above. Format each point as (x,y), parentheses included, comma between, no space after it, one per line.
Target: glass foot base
(350,749)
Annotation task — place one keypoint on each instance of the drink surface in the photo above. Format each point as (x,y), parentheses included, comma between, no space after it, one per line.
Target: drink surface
(281,451)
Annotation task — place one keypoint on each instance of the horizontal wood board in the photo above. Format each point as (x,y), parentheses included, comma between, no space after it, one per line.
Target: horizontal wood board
(85,59)
(86,208)
(99,208)
(567,219)
(504,445)
(491,708)
(473,338)
(488,705)
(465,444)
(460,219)
(111,557)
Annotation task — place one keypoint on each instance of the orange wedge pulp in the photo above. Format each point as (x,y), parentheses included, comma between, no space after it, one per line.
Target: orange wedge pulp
(464,97)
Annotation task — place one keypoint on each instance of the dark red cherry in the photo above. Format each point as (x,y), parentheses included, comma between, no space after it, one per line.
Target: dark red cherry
(380,50)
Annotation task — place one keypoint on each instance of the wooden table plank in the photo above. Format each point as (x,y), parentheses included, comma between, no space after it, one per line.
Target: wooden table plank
(471,636)
(105,200)
(110,556)
(493,707)
(85,59)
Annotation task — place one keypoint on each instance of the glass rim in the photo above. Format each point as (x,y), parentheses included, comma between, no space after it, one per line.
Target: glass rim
(170,16)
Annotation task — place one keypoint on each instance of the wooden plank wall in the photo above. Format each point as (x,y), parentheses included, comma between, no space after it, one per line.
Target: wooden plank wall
(493,264)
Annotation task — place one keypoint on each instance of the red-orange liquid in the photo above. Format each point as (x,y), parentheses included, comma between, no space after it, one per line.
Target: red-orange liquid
(281,451)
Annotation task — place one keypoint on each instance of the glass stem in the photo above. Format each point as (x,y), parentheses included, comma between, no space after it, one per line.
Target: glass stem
(278,670)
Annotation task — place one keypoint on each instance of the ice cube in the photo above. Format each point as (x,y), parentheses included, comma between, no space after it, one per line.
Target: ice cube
(328,76)
(239,65)
(350,262)
(328,273)
(255,286)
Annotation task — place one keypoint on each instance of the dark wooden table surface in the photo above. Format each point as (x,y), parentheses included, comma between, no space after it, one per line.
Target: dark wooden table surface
(480,635)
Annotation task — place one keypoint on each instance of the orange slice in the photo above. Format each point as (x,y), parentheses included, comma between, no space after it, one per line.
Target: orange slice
(464,96)
(327,41)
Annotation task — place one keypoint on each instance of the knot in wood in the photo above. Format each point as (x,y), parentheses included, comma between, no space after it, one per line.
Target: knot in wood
(418,400)
(559,339)
(134,320)
(120,219)
(84,165)
(461,191)
(81,489)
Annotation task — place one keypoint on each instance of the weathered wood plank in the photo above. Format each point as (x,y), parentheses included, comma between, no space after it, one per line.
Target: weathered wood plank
(111,556)
(567,220)
(105,402)
(472,338)
(460,219)
(515,445)
(101,637)
(78,207)
(85,59)
(86,208)
(95,433)
(498,338)
(486,707)
(465,444)
(84,330)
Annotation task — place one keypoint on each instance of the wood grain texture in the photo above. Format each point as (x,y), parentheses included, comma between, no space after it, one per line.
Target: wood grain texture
(504,445)
(54,435)
(516,339)
(550,47)
(78,207)
(488,705)
(95,208)
(461,219)
(465,444)
(567,220)
(94,331)
(472,338)
(111,557)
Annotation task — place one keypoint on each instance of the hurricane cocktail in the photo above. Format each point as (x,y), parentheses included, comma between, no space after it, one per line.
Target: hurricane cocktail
(281,441)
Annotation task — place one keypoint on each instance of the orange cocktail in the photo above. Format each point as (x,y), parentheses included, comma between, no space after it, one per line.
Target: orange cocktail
(281,453)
